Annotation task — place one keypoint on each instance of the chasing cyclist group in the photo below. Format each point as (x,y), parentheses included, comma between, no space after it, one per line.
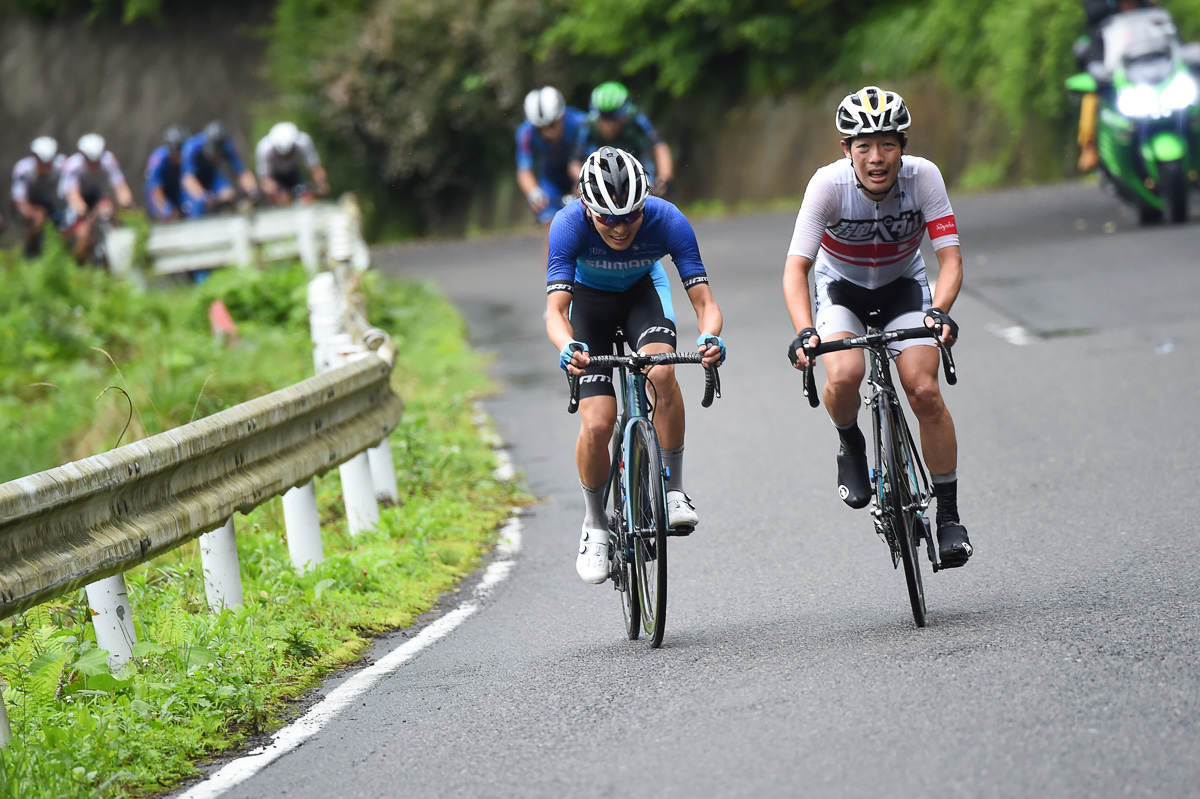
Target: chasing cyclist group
(186,177)
(598,182)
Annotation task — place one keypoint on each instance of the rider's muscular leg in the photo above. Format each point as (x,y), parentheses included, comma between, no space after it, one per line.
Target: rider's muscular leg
(669,420)
(918,369)
(844,372)
(597,417)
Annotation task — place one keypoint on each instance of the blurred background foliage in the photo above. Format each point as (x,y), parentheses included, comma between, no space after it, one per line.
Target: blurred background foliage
(414,102)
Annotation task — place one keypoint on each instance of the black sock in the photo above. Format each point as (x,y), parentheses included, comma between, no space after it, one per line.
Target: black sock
(852,438)
(947,501)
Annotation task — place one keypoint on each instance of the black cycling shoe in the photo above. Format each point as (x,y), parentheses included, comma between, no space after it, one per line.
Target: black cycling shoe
(954,548)
(854,483)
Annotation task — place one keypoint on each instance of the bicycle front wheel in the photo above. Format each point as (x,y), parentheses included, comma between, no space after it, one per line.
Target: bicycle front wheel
(898,499)
(620,546)
(647,513)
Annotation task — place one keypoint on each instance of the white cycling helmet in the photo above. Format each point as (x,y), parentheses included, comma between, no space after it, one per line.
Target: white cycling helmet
(544,106)
(45,148)
(613,182)
(283,137)
(872,110)
(92,146)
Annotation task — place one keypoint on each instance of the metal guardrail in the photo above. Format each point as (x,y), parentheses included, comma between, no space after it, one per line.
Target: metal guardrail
(95,518)
(306,232)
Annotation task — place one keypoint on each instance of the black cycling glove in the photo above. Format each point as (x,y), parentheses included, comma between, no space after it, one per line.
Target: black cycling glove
(940,318)
(798,343)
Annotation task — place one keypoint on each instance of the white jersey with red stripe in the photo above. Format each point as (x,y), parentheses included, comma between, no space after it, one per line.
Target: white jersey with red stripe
(851,237)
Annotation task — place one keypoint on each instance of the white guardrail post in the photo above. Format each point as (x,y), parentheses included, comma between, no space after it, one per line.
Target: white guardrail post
(222,575)
(5,728)
(112,619)
(302,519)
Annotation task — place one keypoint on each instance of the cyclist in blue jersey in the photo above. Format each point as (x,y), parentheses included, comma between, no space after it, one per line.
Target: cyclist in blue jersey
(164,187)
(614,120)
(545,143)
(603,272)
(213,171)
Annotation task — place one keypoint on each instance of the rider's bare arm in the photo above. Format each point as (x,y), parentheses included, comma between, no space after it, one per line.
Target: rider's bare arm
(123,194)
(559,327)
(949,282)
(75,200)
(192,185)
(248,183)
(663,162)
(797,295)
(320,180)
(708,317)
(528,183)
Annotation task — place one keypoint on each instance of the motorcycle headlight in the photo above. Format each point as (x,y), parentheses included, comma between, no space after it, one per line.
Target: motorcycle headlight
(1180,92)
(1138,101)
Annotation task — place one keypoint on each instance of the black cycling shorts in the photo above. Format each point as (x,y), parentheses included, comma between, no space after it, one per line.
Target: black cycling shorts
(288,180)
(645,316)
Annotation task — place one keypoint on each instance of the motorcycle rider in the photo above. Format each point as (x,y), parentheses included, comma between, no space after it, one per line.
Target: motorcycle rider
(211,166)
(614,121)
(164,186)
(277,159)
(35,197)
(1089,50)
(91,180)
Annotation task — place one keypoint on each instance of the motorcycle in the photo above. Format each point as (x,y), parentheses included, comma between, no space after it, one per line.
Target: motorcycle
(1148,127)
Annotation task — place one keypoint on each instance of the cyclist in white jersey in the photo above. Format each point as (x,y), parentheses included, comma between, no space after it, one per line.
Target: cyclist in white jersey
(860,225)
(35,191)
(278,157)
(91,180)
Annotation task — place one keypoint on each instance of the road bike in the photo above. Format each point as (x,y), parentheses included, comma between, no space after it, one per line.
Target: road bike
(636,487)
(899,483)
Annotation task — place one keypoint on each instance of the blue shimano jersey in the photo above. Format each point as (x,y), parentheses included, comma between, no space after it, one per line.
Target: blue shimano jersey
(579,255)
(548,160)
(211,175)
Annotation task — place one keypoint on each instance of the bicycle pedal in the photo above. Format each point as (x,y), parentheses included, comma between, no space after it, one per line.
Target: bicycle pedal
(682,530)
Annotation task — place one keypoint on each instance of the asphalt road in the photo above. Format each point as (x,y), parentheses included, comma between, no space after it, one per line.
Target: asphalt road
(1063,661)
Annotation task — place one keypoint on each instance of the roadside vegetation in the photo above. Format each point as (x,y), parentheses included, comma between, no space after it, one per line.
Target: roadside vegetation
(413,103)
(200,682)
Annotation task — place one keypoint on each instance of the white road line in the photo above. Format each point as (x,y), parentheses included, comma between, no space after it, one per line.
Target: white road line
(310,723)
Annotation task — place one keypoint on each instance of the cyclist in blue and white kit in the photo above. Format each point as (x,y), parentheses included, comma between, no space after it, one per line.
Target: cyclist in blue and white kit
(861,224)
(211,168)
(603,272)
(164,176)
(545,143)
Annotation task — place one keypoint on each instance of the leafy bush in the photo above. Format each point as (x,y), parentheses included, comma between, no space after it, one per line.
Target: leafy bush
(68,333)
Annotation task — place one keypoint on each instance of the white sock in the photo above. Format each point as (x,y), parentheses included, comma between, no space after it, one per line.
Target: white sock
(673,461)
(595,517)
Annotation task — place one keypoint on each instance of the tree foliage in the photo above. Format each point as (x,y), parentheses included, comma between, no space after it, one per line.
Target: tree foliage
(126,10)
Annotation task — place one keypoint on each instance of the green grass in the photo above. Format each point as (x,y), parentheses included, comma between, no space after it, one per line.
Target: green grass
(201,683)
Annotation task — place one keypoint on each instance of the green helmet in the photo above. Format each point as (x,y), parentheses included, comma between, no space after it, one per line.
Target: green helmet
(610,99)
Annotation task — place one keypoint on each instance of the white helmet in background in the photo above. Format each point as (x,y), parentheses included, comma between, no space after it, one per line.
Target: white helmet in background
(283,137)
(544,106)
(92,146)
(45,148)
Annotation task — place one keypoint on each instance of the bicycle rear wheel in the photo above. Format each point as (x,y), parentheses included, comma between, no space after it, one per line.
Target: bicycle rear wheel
(898,499)
(647,511)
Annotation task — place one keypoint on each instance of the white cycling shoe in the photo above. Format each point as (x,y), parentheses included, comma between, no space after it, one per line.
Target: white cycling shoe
(681,513)
(592,563)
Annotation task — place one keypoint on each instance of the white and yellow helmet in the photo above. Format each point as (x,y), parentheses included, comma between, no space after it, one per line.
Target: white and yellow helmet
(872,110)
